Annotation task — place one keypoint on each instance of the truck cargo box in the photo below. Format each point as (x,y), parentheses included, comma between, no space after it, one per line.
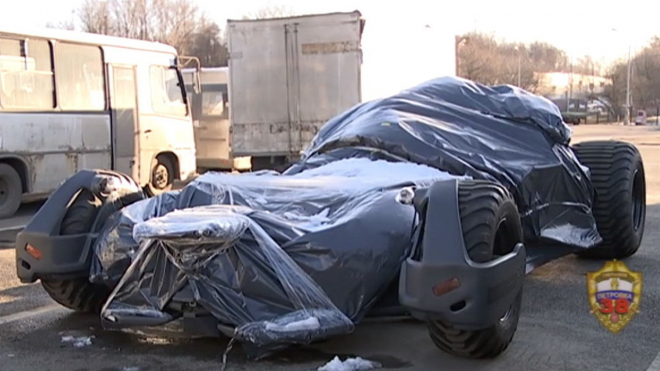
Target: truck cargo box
(288,76)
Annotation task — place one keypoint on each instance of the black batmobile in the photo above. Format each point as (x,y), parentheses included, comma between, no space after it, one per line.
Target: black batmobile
(433,203)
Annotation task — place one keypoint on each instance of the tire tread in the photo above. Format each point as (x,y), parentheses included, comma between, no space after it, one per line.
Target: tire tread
(611,164)
(479,201)
(77,293)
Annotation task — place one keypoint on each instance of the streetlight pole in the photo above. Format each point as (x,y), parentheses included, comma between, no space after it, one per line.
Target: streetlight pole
(628,113)
(519,84)
(460,40)
(517,49)
(626,116)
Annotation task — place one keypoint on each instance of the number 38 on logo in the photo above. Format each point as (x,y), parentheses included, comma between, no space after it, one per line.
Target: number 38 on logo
(614,295)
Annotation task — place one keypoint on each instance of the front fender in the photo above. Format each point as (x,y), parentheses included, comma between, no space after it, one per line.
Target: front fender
(440,281)
(57,254)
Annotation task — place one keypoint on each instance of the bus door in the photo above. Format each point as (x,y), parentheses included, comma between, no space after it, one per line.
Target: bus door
(123,101)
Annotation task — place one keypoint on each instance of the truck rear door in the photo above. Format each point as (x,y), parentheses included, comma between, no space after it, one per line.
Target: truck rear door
(325,61)
(288,76)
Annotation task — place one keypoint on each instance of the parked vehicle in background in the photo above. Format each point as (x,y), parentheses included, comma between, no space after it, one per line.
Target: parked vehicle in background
(71,101)
(641,118)
(287,77)
(574,118)
(210,114)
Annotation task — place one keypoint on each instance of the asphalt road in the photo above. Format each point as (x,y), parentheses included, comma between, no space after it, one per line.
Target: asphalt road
(556,330)
(10,226)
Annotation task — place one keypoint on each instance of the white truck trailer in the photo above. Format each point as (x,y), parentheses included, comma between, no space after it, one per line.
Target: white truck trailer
(288,77)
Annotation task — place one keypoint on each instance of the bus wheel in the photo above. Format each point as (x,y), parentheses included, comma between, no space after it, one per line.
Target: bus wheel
(162,176)
(11,190)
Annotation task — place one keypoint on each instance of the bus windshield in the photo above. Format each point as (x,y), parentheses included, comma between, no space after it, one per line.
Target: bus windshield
(167,94)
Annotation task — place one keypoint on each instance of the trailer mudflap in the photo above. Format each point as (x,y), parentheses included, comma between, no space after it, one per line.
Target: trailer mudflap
(443,283)
(66,255)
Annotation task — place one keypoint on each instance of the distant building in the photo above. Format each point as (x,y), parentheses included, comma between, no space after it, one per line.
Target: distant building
(559,84)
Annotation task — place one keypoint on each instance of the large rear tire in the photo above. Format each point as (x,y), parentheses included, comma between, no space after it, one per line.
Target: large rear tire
(78,293)
(617,174)
(491,228)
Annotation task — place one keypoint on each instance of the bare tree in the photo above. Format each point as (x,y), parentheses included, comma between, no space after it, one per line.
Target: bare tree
(587,66)
(179,23)
(65,25)
(548,58)
(276,11)
(645,79)
(96,17)
(207,45)
(483,59)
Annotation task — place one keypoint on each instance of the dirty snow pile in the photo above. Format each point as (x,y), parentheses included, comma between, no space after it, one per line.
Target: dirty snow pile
(350,364)
(78,342)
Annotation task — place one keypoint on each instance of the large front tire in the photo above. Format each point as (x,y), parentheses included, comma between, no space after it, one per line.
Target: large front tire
(491,228)
(619,208)
(78,293)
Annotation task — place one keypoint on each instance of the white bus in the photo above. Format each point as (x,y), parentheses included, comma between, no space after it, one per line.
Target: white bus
(71,101)
(210,112)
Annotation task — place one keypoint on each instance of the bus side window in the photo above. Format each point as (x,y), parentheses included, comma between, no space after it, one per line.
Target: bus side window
(166,94)
(80,77)
(26,74)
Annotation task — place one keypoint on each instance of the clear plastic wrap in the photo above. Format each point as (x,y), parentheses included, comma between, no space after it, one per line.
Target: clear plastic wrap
(282,259)
(115,247)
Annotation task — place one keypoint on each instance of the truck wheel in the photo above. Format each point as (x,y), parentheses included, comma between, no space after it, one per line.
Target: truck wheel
(11,191)
(162,176)
(491,228)
(617,174)
(78,293)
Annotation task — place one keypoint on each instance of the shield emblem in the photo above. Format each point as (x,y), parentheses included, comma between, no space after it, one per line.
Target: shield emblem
(614,294)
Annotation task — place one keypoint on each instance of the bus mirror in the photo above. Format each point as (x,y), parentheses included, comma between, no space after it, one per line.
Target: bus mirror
(184,62)
(197,84)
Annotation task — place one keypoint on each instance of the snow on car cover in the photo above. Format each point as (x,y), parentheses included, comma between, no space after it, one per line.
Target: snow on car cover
(303,255)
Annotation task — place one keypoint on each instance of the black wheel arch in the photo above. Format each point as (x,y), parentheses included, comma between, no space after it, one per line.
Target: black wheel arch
(172,158)
(19,164)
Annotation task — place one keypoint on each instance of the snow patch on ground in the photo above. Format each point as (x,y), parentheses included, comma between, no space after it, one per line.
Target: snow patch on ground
(350,364)
(78,342)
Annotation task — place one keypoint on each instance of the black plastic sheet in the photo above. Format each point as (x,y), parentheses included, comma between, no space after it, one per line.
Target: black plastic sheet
(499,133)
(300,256)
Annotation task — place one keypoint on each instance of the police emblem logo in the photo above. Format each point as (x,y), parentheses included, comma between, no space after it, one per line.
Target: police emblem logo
(614,294)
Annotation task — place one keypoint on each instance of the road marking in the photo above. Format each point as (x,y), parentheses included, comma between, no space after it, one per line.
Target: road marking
(30,313)
(655,365)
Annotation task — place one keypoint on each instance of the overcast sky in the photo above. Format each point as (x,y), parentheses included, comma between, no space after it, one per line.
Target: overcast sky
(577,26)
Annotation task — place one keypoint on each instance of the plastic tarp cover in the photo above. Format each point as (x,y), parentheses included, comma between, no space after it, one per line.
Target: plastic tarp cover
(283,259)
(499,133)
(299,256)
